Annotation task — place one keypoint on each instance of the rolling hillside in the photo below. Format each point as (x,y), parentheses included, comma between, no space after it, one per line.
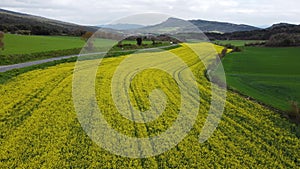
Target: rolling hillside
(174,25)
(224,27)
(16,22)
(121,26)
(262,34)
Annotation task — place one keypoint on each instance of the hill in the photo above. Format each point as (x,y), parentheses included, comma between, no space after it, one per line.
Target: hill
(120,26)
(263,34)
(280,25)
(15,22)
(212,26)
(174,25)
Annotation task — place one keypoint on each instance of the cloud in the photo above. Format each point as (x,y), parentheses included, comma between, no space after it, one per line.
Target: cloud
(94,12)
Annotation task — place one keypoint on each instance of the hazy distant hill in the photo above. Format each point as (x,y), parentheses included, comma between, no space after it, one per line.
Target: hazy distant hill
(263,34)
(14,21)
(174,25)
(281,26)
(212,26)
(23,23)
(122,26)
(170,26)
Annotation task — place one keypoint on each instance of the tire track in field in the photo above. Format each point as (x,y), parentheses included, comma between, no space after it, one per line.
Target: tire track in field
(19,105)
(176,73)
(242,127)
(179,74)
(157,160)
(129,77)
(21,135)
(247,129)
(18,123)
(258,139)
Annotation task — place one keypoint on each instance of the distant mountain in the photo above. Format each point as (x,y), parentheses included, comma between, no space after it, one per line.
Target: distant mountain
(122,26)
(18,22)
(264,26)
(15,22)
(263,34)
(170,26)
(281,25)
(174,25)
(223,27)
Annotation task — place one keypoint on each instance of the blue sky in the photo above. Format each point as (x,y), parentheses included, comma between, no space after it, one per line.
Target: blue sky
(97,12)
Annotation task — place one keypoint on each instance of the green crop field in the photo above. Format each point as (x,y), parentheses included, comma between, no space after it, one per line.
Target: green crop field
(270,75)
(24,48)
(236,42)
(148,42)
(39,127)
(24,44)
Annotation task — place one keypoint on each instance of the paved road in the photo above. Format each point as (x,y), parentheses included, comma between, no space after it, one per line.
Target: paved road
(27,64)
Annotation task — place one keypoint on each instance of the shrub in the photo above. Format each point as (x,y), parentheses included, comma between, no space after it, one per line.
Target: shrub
(223,53)
(139,41)
(256,44)
(283,40)
(294,113)
(236,49)
(1,40)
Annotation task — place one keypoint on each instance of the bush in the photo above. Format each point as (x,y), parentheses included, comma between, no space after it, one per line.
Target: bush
(236,49)
(139,41)
(256,44)
(284,40)
(223,53)
(1,40)
(230,46)
(294,113)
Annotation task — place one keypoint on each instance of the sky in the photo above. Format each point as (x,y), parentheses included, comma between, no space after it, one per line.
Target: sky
(98,12)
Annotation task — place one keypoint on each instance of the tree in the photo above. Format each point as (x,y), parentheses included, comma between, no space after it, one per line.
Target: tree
(283,40)
(223,53)
(294,113)
(120,44)
(153,40)
(1,40)
(90,45)
(86,36)
(139,41)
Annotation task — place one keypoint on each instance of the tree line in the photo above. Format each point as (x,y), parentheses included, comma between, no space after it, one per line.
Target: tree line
(281,35)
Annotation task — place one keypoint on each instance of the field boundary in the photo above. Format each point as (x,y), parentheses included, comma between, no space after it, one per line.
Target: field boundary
(32,63)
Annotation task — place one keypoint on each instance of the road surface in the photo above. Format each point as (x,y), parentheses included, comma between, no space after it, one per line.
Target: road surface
(27,64)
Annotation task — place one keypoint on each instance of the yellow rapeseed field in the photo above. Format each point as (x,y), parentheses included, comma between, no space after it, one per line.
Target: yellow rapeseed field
(40,129)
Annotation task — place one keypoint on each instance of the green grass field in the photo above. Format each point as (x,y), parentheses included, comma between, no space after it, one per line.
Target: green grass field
(132,42)
(22,44)
(22,48)
(238,43)
(270,75)
(39,127)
